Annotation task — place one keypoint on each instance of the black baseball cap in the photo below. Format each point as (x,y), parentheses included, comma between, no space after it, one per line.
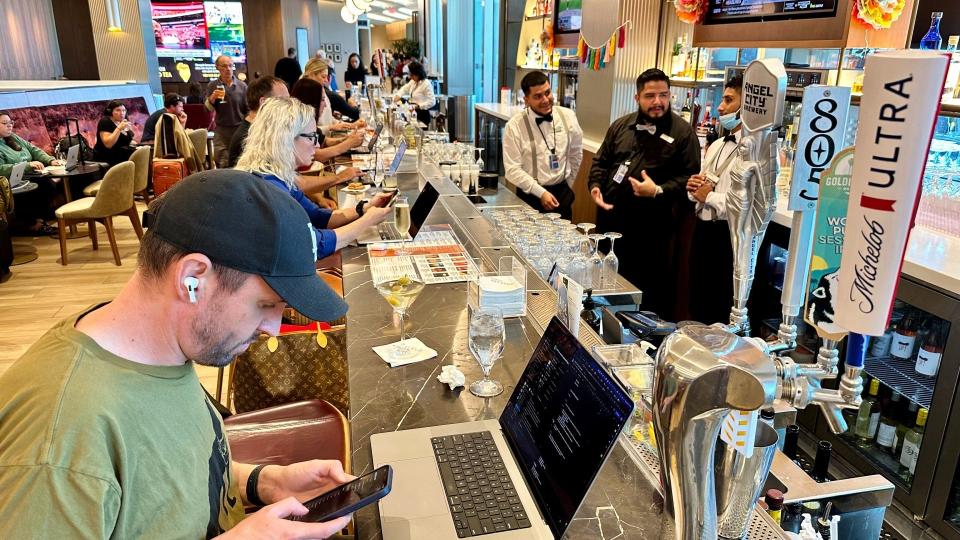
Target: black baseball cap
(240,221)
(171,99)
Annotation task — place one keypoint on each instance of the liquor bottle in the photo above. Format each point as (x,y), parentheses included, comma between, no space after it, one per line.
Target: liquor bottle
(904,337)
(822,462)
(887,430)
(869,415)
(685,111)
(792,517)
(931,350)
(790,439)
(774,500)
(932,39)
(880,345)
(712,134)
(911,447)
(906,424)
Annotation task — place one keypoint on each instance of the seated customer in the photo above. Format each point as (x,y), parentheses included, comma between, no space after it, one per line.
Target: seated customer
(282,138)
(104,421)
(172,104)
(259,90)
(313,94)
(36,206)
(114,135)
(317,70)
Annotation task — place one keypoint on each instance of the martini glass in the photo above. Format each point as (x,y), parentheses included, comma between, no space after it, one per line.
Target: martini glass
(400,293)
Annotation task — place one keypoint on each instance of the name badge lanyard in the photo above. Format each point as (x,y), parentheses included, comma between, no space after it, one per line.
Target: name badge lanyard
(554,160)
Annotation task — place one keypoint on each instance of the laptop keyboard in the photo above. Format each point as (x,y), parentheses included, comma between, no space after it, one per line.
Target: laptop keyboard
(387,232)
(480,494)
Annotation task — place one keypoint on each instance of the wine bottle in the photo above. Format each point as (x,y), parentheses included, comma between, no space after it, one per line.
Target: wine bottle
(931,350)
(907,423)
(685,111)
(904,337)
(792,517)
(869,415)
(822,462)
(887,430)
(911,447)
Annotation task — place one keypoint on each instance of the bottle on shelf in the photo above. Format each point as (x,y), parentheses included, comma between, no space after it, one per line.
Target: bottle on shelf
(890,413)
(931,350)
(712,133)
(880,345)
(685,111)
(822,462)
(907,423)
(911,446)
(676,69)
(869,415)
(905,337)
(932,39)
(953,71)
(774,500)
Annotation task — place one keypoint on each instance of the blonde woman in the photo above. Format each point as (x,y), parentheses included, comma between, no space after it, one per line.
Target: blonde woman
(282,138)
(317,70)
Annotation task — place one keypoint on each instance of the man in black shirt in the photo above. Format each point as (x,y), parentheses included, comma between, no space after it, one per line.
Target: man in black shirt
(638,181)
(172,104)
(288,69)
(258,91)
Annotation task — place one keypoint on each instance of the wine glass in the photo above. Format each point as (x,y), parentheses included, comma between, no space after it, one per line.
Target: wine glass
(480,158)
(400,293)
(611,264)
(401,219)
(594,262)
(485,338)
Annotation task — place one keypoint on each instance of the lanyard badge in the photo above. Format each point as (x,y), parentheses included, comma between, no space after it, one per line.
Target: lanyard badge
(621,172)
(554,162)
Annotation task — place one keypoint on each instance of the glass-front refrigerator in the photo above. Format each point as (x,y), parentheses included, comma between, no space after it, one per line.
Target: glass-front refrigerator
(910,379)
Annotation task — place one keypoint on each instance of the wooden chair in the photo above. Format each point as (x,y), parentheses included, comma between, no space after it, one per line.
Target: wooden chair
(141,176)
(114,198)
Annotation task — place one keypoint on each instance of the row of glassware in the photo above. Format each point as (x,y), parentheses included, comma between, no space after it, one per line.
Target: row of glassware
(546,240)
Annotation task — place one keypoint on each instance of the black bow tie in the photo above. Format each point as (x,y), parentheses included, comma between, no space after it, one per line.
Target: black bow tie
(730,138)
(544,118)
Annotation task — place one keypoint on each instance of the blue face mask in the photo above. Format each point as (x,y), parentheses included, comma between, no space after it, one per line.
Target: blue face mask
(730,121)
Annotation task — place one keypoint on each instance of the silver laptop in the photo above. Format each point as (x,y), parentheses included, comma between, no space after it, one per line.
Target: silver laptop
(553,437)
(368,148)
(73,156)
(16,175)
(387,231)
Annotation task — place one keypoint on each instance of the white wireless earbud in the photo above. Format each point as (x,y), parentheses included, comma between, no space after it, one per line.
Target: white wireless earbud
(191,283)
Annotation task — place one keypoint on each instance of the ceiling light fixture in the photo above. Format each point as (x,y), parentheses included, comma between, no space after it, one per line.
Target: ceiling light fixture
(381,18)
(114,22)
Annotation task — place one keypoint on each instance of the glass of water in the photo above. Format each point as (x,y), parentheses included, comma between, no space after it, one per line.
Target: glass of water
(486,336)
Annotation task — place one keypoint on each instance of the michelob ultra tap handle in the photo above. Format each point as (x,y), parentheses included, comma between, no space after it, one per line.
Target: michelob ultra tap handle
(901,99)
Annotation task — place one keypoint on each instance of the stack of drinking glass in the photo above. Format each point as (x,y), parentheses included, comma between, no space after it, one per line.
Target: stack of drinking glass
(553,245)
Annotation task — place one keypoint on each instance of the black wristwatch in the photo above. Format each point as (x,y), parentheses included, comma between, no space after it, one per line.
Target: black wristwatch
(359,207)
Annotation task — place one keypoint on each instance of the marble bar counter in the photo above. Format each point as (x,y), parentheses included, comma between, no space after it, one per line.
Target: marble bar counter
(624,502)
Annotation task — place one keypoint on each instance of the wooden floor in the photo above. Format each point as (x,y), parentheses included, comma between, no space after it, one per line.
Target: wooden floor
(42,292)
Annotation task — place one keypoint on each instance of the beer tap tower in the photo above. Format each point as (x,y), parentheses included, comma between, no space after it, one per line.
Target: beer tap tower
(704,373)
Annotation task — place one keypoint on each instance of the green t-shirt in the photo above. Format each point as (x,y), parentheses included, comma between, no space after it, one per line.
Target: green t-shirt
(95,446)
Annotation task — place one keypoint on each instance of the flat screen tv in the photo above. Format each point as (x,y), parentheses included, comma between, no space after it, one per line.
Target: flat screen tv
(567,22)
(730,11)
(180,29)
(191,34)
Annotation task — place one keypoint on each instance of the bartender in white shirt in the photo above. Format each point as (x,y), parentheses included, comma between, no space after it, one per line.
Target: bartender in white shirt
(419,92)
(542,149)
(711,258)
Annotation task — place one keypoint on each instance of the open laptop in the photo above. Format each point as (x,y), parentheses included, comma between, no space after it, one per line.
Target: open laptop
(552,439)
(386,231)
(368,148)
(73,157)
(397,158)
(17,175)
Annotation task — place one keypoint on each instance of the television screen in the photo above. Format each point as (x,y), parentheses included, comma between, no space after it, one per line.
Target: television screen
(180,29)
(569,15)
(191,34)
(729,11)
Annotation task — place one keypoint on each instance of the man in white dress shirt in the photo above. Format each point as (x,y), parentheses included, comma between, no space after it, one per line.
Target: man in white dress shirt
(543,148)
(711,257)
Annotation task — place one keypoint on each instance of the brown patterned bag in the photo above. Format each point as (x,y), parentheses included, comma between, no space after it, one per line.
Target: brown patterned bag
(293,366)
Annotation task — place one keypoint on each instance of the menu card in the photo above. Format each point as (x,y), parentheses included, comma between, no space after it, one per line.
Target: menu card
(436,254)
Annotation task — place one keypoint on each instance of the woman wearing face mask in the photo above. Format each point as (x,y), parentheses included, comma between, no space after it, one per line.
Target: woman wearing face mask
(114,135)
(711,259)
(281,139)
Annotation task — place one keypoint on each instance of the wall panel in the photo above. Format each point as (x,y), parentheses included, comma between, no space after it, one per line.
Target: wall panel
(30,50)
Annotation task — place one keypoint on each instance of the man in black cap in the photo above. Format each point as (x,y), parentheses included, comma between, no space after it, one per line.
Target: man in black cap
(638,181)
(104,418)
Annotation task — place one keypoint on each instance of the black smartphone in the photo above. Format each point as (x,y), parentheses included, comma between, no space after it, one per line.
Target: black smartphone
(393,196)
(350,497)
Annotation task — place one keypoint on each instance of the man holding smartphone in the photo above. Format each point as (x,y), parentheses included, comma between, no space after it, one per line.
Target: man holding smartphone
(105,430)
(711,256)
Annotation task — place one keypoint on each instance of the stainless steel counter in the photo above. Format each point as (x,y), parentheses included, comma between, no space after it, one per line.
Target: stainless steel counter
(624,502)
